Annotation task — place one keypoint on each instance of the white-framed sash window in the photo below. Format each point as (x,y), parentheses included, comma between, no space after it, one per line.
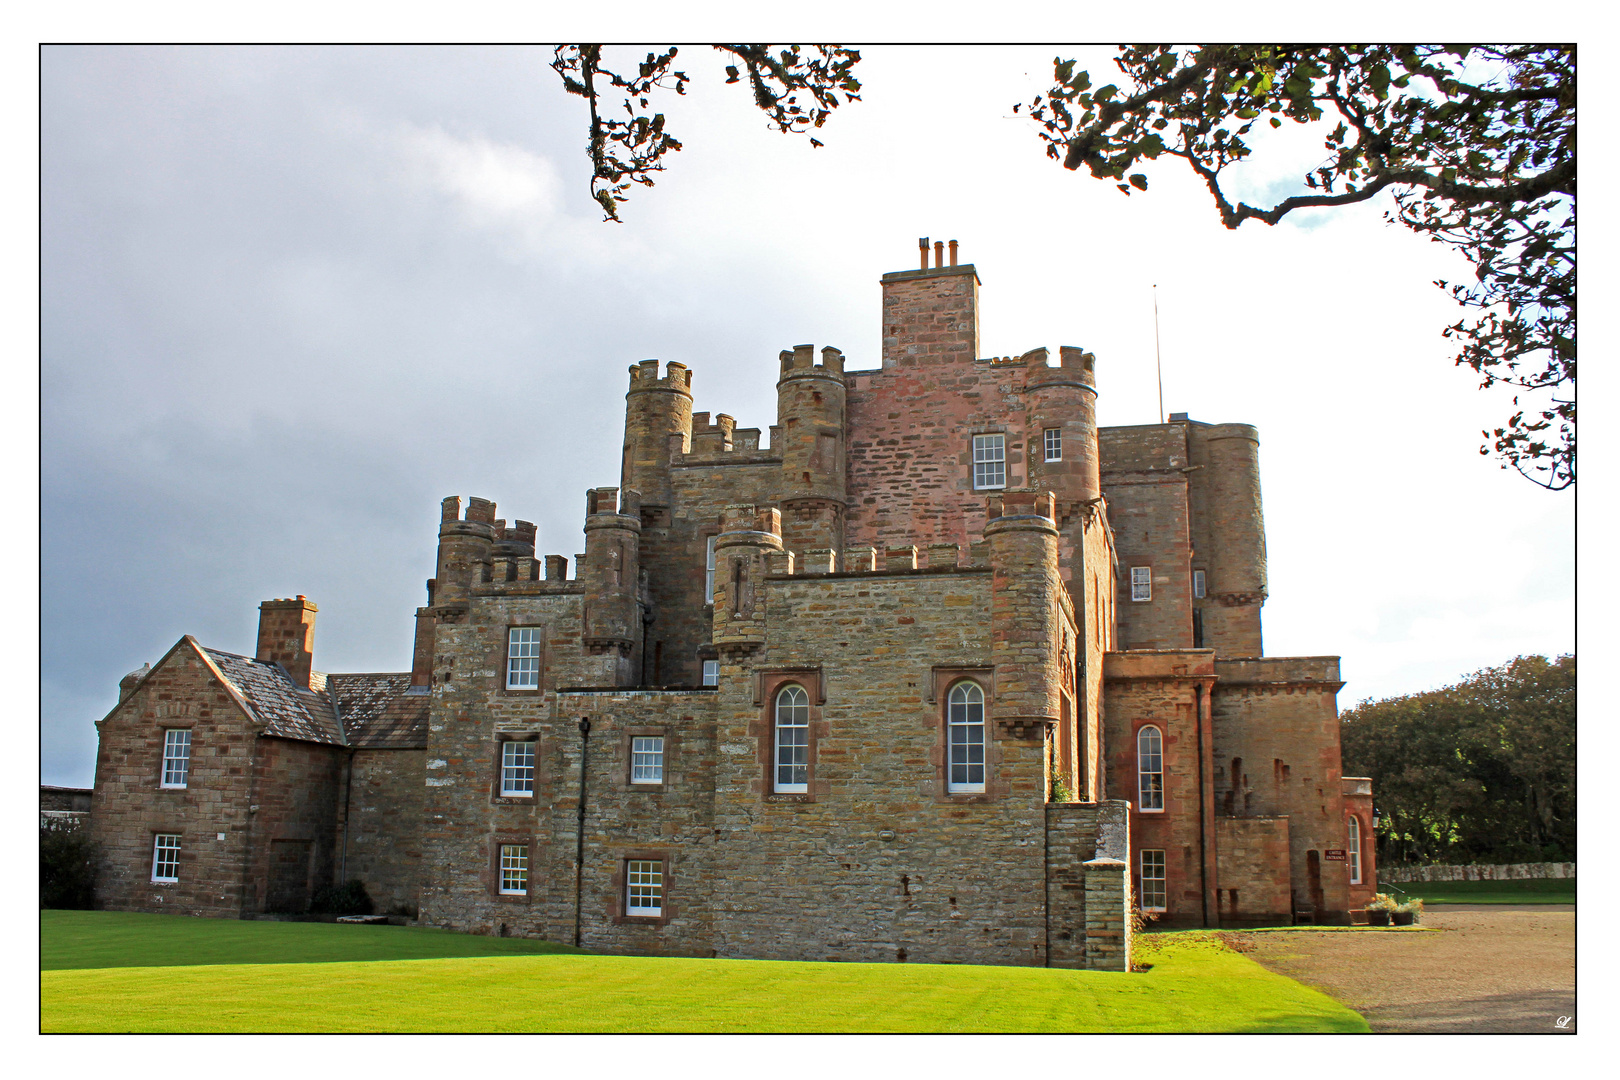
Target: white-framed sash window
(964,724)
(514,869)
(792,774)
(644,887)
(166,857)
(647,759)
(989,461)
(1141,583)
(1153,880)
(523,658)
(517,768)
(1149,769)
(176,757)
(1053,441)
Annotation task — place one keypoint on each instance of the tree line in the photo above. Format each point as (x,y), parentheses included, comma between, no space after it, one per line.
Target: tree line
(1479,772)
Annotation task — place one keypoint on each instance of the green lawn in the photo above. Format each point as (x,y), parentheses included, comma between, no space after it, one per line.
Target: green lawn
(1527,891)
(294,977)
(118,939)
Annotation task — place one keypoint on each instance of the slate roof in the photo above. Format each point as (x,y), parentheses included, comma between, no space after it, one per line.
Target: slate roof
(285,708)
(373,711)
(379,712)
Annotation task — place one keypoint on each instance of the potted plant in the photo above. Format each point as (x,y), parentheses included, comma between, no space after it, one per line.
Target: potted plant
(1380,909)
(1406,914)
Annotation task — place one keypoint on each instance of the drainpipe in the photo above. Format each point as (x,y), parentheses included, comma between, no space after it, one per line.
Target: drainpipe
(579,849)
(348,785)
(1203,810)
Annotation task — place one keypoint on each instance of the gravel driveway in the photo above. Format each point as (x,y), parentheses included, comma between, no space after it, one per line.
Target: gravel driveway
(1489,968)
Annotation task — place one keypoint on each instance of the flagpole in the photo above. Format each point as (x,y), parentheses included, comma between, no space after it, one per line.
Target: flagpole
(1157,363)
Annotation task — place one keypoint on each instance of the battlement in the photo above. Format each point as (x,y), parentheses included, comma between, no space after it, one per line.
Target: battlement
(479,511)
(800,360)
(1022,502)
(746,517)
(644,376)
(908,558)
(610,500)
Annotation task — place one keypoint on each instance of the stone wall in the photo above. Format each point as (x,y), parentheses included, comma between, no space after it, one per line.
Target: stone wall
(1277,755)
(383,845)
(1088,885)
(293,838)
(1168,690)
(210,814)
(1253,880)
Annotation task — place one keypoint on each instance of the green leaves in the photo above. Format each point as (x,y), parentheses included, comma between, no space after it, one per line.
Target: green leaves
(1485,165)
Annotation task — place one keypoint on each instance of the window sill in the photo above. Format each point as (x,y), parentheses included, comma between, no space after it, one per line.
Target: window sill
(1149,810)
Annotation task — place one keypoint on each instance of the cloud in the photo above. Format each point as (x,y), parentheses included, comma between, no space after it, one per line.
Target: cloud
(496,185)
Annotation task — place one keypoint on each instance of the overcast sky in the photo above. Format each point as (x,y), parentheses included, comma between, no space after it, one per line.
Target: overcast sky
(293,297)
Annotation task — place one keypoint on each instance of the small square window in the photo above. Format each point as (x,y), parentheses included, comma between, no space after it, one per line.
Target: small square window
(1141,583)
(1054,444)
(989,461)
(644,887)
(176,757)
(166,857)
(514,869)
(647,759)
(1153,890)
(711,673)
(517,768)
(523,658)
(1198,584)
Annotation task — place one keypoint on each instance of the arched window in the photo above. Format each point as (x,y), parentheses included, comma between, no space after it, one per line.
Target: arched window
(965,738)
(792,740)
(1355,850)
(1149,769)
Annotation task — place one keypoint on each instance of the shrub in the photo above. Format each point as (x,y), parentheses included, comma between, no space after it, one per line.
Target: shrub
(1382,902)
(349,899)
(67,867)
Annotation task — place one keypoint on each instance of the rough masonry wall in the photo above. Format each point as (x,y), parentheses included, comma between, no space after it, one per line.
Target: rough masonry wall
(911,449)
(876,862)
(1229,535)
(1252,884)
(703,486)
(1163,689)
(471,712)
(1088,903)
(1145,481)
(292,852)
(131,807)
(386,792)
(670,823)
(1277,754)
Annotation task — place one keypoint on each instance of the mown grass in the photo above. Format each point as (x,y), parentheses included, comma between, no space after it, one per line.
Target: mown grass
(1195,984)
(115,939)
(1526,891)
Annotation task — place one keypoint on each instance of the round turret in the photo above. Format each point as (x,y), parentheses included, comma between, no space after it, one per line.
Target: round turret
(1062,425)
(810,401)
(654,410)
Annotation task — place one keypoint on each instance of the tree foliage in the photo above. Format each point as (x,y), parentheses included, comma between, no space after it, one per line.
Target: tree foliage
(1477,145)
(1483,771)
(797,87)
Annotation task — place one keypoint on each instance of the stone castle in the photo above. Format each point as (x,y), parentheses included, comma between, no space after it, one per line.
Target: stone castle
(943,673)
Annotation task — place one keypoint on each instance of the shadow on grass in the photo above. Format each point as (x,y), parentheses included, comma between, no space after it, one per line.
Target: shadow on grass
(115,939)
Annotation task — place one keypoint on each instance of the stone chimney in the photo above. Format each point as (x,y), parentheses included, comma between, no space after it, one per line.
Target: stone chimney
(287,636)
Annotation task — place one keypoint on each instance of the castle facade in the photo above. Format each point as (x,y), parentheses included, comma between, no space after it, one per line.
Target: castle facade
(943,673)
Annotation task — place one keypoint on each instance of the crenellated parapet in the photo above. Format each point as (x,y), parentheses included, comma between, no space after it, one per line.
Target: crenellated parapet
(749,535)
(657,423)
(611,570)
(811,418)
